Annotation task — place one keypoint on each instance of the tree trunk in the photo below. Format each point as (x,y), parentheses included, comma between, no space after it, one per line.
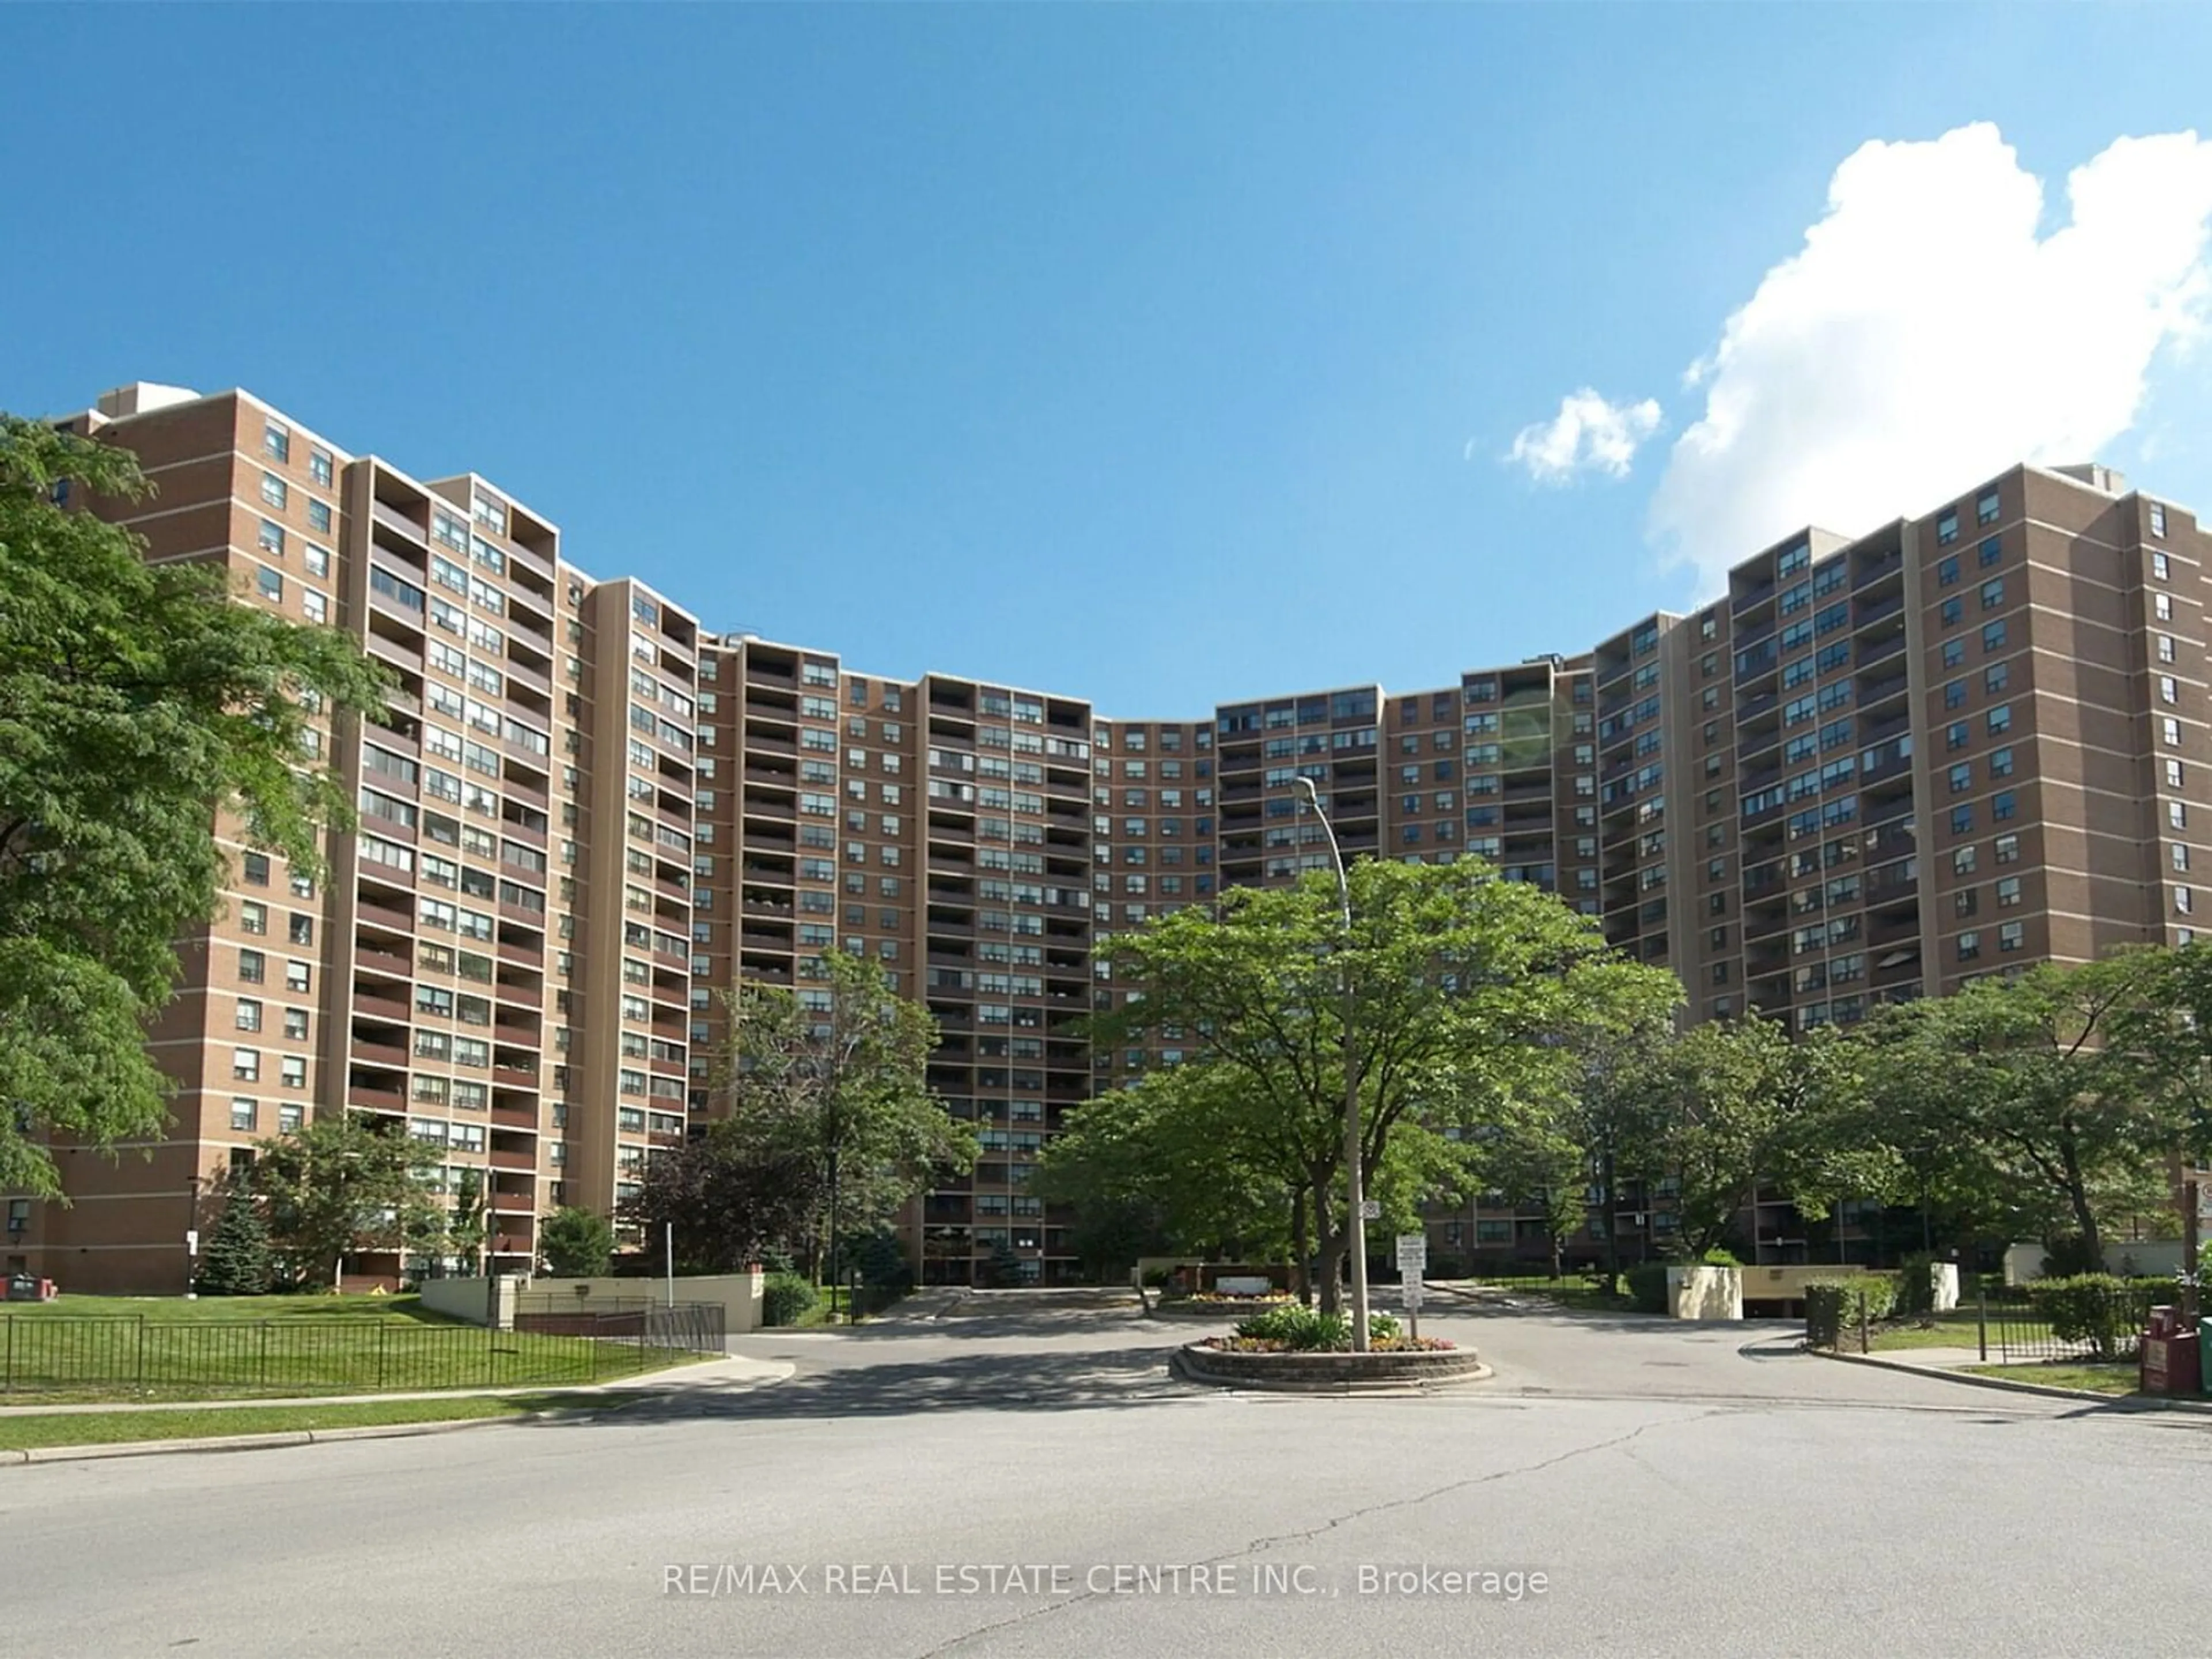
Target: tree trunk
(1301,1240)
(1332,1241)
(2077,1195)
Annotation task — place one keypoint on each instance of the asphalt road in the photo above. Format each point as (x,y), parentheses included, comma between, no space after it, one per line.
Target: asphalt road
(1682,1491)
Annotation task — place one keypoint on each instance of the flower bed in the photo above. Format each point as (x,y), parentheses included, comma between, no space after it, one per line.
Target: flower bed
(1375,1345)
(1225,1300)
(1393,1365)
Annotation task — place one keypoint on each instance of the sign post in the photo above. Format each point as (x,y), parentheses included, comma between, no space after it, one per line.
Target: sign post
(1412,1262)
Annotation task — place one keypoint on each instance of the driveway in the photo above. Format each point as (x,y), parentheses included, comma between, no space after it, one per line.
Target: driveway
(1023,1478)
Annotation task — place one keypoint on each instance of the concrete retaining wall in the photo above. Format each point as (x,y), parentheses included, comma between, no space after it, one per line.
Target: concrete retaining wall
(472,1299)
(739,1294)
(1698,1291)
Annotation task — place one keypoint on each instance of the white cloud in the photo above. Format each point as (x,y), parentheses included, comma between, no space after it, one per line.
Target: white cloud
(1587,436)
(1927,335)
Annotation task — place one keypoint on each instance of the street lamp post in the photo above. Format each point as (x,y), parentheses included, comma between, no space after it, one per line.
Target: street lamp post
(1355,1184)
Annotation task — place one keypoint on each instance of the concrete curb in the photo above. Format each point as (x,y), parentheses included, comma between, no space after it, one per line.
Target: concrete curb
(232,1442)
(2125,1402)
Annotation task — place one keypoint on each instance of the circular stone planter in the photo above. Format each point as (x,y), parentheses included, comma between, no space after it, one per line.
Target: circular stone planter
(1328,1373)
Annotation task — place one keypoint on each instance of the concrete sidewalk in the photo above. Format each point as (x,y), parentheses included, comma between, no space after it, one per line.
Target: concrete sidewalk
(732,1370)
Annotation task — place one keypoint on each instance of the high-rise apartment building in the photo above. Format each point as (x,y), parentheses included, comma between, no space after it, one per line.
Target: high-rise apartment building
(1872,769)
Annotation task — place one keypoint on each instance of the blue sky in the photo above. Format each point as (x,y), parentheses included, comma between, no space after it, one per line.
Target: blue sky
(1117,351)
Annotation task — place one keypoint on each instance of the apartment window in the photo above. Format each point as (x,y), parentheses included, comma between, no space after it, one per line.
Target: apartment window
(1993,593)
(2179,854)
(252,967)
(1946,528)
(319,516)
(1955,735)
(253,918)
(273,491)
(2162,607)
(2184,899)
(1996,677)
(1962,778)
(1985,508)
(1999,719)
(295,1025)
(269,584)
(1951,612)
(1990,552)
(276,440)
(313,606)
(1955,652)
(1967,902)
(2159,568)
(2166,647)
(1947,570)
(2011,935)
(2177,815)
(245,1065)
(249,1012)
(2007,848)
(1955,694)
(2008,893)
(292,1069)
(2169,731)
(1970,945)
(2173,774)
(290,1119)
(243,1114)
(2157,519)
(1962,820)
(2003,806)
(318,467)
(1962,861)
(302,930)
(297,976)
(1993,635)
(270,539)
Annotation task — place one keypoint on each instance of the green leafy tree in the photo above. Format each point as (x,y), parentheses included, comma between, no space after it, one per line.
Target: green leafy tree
(465,1230)
(847,1087)
(1465,990)
(236,1259)
(2057,1083)
(342,1187)
(1729,1103)
(1177,1163)
(139,709)
(576,1242)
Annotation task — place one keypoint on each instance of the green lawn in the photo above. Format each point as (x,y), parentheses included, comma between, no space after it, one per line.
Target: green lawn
(107,1428)
(166,1348)
(1956,1329)
(2114,1379)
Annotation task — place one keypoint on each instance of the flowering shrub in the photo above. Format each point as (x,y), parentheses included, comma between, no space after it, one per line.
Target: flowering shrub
(1230,1299)
(1295,1328)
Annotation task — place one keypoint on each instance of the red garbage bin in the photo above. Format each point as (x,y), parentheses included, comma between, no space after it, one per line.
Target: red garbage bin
(2171,1357)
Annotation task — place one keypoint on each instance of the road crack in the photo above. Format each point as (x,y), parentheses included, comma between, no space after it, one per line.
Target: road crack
(1272,1540)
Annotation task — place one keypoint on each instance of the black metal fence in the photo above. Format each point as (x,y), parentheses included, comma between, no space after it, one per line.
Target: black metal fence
(50,1353)
(2111,1330)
